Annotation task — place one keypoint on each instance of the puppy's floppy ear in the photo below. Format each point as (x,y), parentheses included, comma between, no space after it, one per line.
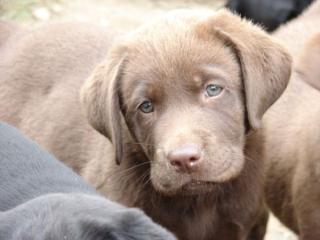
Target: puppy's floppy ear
(100,97)
(309,61)
(265,64)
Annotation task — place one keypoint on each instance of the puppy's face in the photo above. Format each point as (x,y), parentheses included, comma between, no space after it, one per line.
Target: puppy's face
(186,109)
(186,85)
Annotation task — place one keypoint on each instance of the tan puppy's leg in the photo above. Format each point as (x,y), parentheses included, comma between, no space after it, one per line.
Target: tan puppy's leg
(306,196)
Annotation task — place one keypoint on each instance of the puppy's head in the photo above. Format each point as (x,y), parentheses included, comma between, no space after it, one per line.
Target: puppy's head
(188,87)
(309,60)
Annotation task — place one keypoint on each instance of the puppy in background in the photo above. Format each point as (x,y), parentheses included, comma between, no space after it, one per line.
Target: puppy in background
(309,62)
(292,137)
(41,199)
(268,13)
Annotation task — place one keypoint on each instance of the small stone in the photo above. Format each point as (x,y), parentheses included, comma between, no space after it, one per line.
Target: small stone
(57,8)
(41,13)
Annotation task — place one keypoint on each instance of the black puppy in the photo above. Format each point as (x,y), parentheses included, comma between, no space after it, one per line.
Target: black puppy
(40,198)
(268,13)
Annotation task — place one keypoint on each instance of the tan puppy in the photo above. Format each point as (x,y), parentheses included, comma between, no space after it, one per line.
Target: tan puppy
(292,136)
(178,98)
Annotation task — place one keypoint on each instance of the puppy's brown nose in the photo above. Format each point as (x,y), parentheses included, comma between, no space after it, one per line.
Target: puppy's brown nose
(185,158)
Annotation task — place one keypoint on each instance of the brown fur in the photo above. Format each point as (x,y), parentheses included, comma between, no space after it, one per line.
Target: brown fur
(169,61)
(292,134)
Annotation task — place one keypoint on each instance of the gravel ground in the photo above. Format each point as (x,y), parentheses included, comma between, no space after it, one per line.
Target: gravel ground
(123,14)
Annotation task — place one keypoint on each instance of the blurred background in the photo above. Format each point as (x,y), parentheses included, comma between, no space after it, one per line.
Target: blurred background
(122,14)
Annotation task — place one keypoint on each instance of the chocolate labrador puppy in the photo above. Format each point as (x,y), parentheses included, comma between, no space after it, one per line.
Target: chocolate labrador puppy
(179,98)
(40,198)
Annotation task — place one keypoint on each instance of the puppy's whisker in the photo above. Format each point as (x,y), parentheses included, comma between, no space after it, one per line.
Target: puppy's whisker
(115,187)
(250,158)
(123,172)
(131,168)
(141,180)
(146,183)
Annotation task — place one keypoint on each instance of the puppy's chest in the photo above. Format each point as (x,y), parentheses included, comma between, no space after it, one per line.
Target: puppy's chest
(202,225)
(196,222)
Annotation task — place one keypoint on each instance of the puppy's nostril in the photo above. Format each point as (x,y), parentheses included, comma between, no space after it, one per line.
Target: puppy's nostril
(185,158)
(193,159)
(176,163)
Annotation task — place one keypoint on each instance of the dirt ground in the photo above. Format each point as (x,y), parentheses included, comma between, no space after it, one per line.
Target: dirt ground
(122,14)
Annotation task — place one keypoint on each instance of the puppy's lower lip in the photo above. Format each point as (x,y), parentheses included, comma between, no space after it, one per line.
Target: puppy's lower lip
(196,184)
(199,182)
(196,187)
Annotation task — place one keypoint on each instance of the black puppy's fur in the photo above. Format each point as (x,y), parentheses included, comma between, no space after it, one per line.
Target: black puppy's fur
(269,13)
(40,198)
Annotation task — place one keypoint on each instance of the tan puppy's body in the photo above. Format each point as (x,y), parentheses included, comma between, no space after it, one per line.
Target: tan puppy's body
(292,134)
(188,162)
(42,71)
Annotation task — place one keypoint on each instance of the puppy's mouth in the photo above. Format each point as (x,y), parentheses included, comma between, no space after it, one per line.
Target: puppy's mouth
(193,187)
(198,187)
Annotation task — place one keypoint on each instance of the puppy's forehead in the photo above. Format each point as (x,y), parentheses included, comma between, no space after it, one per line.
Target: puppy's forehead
(176,31)
(171,48)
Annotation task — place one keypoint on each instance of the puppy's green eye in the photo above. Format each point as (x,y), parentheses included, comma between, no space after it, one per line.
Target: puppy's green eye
(146,106)
(213,90)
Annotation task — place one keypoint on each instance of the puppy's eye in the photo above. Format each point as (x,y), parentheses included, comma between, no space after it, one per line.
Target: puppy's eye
(146,106)
(213,90)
